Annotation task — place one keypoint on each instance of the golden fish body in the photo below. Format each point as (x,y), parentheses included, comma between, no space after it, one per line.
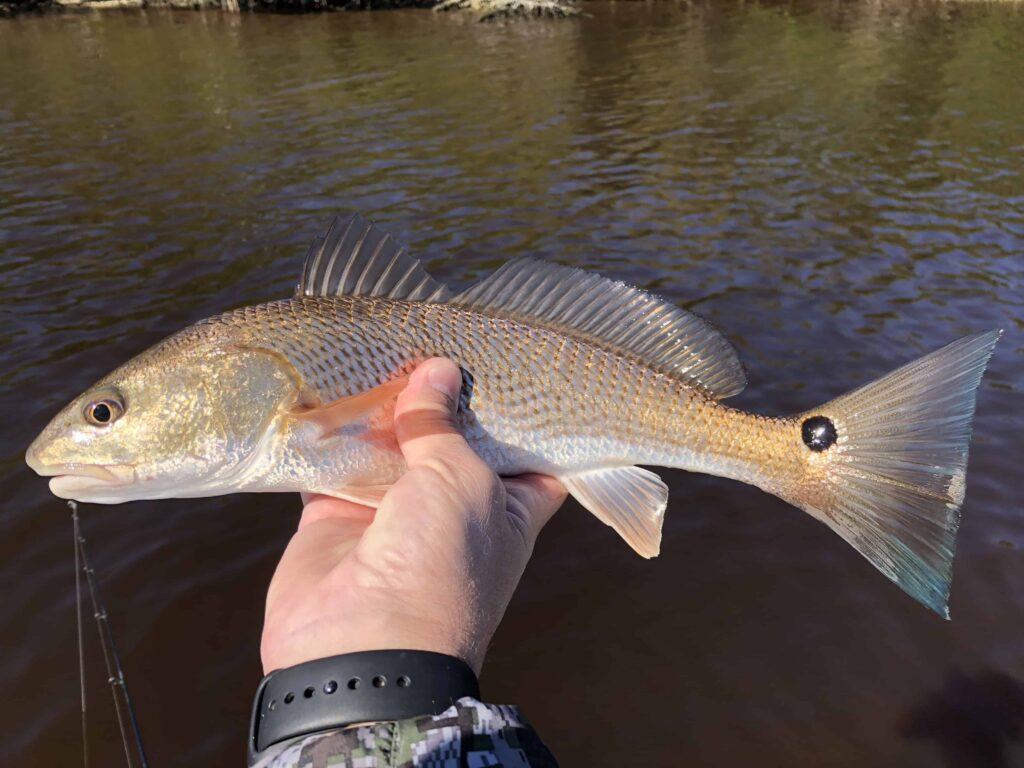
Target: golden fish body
(538,400)
(565,373)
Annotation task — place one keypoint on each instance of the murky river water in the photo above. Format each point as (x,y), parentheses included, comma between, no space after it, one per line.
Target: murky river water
(838,187)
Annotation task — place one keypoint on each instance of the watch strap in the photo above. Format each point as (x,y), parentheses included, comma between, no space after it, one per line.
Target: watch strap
(369,686)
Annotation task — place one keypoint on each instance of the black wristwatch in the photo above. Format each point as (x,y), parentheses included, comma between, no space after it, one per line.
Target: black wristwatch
(370,686)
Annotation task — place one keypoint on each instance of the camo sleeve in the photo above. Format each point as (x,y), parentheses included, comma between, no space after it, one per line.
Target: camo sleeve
(467,734)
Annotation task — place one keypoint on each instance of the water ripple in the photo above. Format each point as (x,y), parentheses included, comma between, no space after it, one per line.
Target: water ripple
(837,186)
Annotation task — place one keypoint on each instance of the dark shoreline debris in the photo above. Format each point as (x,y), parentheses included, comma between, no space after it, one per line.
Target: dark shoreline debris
(487,10)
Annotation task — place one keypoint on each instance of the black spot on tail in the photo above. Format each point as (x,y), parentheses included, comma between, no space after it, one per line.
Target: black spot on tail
(819,433)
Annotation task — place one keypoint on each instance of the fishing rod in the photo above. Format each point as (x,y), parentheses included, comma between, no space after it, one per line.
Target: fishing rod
(126,719)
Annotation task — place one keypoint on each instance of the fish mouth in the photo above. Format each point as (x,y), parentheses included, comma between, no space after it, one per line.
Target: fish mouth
(73,481)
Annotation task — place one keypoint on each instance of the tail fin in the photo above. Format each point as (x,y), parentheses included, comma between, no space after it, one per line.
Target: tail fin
(896,482)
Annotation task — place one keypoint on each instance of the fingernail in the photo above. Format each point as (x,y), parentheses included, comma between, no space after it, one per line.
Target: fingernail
(445,381)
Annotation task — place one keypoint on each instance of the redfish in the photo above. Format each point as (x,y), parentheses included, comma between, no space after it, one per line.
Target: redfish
(564,373)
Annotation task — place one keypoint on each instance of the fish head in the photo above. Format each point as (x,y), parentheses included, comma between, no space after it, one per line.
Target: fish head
(185,418)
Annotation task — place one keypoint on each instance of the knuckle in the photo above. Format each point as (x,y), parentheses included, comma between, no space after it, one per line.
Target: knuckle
(422,422)
(466,477)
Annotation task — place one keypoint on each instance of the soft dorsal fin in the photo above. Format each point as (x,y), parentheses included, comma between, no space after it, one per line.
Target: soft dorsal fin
(355,258)
(613,315)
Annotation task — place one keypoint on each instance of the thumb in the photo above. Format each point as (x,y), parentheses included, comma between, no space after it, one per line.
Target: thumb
(425,415)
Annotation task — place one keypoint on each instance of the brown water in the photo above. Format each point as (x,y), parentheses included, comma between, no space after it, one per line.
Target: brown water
(838,187)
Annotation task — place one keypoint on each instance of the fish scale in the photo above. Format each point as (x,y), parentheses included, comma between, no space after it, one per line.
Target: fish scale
(375,340)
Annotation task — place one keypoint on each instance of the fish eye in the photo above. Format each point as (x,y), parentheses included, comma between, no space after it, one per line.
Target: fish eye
(818,433)
(103,411)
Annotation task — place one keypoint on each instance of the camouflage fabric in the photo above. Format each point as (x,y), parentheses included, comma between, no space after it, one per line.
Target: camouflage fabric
(469,734)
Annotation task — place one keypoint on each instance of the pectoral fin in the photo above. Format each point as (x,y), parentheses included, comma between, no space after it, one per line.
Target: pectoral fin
(347,410)
(629,499)
(368,495)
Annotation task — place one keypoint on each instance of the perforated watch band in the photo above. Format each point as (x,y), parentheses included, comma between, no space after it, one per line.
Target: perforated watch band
(369,686)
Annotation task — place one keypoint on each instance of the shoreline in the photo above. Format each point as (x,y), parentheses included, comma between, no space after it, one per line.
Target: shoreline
(488,9)
(17,7)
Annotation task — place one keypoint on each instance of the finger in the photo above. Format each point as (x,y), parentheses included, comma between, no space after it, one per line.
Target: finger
(444,471)
(425,415)
(536,497)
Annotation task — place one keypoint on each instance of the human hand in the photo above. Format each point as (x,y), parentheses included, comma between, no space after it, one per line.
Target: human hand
(432,568)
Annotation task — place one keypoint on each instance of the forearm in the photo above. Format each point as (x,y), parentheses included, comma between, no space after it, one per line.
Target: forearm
(467,733)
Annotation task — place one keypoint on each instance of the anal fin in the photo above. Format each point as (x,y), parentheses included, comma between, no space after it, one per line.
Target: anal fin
(629,499)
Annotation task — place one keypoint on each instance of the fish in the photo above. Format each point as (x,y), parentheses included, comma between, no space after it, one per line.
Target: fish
(565,373)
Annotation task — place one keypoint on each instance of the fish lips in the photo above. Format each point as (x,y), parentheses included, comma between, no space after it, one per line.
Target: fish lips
(84,482)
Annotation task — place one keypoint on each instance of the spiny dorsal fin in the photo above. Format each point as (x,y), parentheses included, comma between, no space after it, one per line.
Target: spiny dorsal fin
(355,258)
(629,499)
(614,315)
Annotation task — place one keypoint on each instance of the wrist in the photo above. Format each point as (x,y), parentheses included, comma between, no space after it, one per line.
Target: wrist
(287,647)
(347,689)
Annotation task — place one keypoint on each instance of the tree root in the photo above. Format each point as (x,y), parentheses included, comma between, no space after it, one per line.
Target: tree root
(491,10)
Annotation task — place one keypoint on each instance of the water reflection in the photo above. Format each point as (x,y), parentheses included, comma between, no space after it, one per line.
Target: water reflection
(973,718)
